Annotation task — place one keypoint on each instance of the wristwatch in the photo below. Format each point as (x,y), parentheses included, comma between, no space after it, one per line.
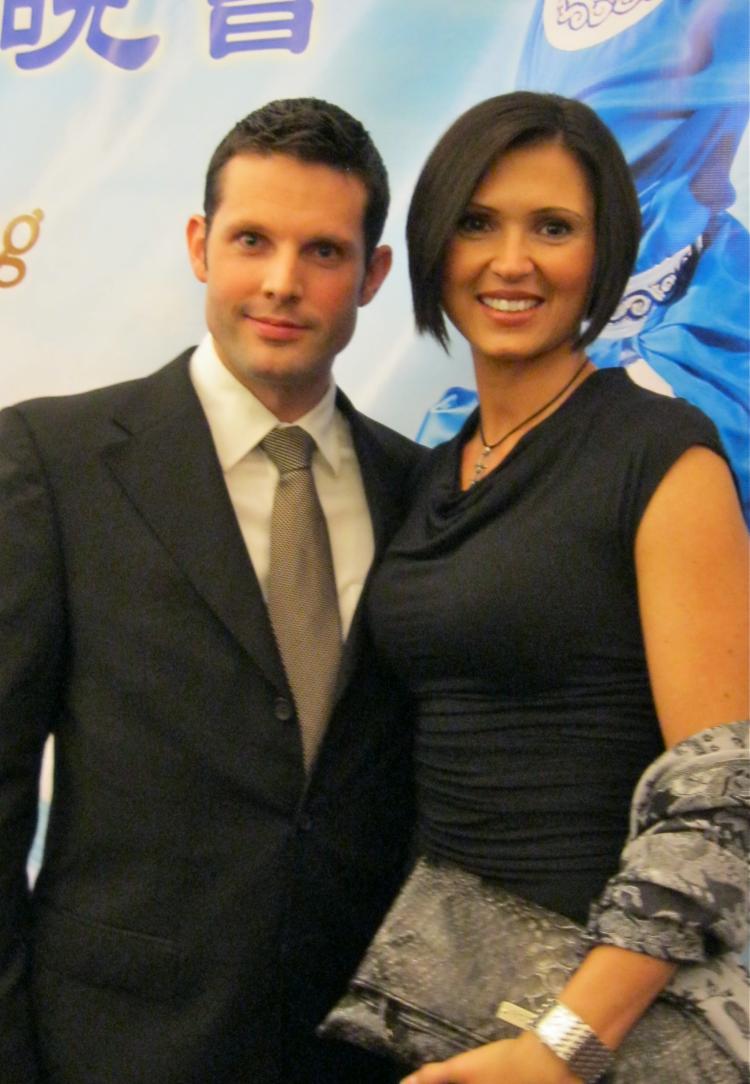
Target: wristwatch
(572,1040)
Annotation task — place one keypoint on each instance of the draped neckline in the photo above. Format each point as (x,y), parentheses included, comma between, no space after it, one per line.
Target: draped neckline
(450,512)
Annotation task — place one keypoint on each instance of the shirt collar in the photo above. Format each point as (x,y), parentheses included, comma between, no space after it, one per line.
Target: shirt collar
(239,421)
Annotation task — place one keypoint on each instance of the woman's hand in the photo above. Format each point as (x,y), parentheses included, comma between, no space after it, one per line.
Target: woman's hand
(525,1060)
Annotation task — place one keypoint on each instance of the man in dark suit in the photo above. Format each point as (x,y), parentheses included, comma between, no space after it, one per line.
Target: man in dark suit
(206,888)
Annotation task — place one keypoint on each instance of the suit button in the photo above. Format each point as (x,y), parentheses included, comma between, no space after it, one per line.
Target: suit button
(282,709)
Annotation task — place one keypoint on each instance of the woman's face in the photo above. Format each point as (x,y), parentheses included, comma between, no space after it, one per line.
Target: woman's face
(517,272)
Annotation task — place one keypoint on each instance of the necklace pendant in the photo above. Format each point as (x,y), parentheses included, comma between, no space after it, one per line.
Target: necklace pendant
(481,464)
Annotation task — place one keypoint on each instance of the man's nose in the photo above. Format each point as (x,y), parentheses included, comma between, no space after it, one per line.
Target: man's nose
(282,278)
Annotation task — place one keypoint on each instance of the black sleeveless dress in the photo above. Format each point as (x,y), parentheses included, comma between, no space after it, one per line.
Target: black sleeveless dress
(510,611)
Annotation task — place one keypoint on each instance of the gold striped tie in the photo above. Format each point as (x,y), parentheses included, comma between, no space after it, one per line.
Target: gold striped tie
(302,597)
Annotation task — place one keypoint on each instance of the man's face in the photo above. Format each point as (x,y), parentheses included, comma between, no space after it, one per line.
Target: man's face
(284,266)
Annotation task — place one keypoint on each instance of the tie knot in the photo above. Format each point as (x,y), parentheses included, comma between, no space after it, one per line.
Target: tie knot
(290,448)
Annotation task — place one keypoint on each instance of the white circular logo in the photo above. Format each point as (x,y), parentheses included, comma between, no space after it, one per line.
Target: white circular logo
(579,24)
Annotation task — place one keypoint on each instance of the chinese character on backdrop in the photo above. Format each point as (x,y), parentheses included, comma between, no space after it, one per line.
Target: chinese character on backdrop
(240,27)
(23,24)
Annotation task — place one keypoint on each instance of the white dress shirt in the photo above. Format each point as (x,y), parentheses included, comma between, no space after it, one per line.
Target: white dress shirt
(238,423)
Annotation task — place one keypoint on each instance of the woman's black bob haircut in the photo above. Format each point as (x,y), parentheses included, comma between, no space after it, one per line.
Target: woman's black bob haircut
(471,146)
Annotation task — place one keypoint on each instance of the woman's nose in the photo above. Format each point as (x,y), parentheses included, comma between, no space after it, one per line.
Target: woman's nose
(511,258)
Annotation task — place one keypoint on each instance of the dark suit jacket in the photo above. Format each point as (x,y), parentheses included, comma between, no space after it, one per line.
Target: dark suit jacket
(200,904)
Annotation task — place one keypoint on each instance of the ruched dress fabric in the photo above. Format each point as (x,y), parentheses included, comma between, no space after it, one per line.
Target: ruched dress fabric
(510,611)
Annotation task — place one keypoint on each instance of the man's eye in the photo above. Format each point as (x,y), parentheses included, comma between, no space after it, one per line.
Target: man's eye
(250,239)
(326,251)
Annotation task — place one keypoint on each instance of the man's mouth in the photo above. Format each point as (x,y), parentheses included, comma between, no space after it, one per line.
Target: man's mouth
(277,328)
(275,321)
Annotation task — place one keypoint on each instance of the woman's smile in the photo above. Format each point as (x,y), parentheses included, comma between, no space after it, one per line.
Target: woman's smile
(518,270)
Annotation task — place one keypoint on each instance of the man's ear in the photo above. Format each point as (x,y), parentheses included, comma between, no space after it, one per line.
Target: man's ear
(196,242)
(377,269)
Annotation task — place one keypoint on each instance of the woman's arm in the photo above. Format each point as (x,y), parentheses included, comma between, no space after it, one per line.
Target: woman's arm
(610,991)
(692,572)
(692,567)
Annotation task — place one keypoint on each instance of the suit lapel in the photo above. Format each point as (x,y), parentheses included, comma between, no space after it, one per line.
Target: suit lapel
(382,476)
(380,482)
(168,467)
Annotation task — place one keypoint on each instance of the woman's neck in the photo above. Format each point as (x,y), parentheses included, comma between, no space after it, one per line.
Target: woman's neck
(513,398)
(510,391)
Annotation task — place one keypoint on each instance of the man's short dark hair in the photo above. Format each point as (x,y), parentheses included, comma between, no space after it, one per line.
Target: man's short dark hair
(463,156)
(313,131)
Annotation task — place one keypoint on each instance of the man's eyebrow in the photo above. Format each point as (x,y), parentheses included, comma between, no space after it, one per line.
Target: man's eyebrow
(246,224)
(331,239)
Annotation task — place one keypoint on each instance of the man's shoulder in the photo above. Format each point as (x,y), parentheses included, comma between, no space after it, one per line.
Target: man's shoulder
(392,443)
(166,382)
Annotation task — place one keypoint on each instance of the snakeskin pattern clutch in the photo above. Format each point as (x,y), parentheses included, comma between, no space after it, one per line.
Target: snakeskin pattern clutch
(459,962)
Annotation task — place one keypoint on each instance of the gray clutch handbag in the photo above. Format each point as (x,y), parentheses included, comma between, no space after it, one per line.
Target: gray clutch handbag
(459,962)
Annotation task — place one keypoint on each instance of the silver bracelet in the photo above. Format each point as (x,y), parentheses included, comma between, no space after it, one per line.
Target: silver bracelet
(572,1040)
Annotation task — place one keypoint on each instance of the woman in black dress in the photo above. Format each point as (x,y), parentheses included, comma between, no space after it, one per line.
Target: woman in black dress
(568,597)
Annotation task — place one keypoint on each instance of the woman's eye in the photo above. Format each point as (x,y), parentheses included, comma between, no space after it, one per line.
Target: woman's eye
(471,222)
(555,228)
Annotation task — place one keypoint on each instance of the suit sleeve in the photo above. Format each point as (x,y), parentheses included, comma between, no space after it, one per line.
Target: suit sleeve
(31,640)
